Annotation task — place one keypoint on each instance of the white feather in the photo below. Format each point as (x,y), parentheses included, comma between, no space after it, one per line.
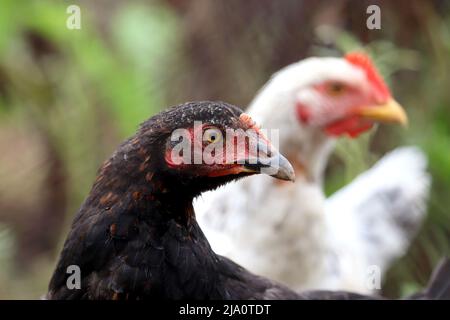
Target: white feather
(383,207)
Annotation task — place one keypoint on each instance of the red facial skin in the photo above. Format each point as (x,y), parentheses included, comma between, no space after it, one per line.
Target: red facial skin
(343,120)
(226,167)
(346,103)
(348,124)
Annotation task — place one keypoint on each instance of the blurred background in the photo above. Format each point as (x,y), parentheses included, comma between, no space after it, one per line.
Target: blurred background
(68,97)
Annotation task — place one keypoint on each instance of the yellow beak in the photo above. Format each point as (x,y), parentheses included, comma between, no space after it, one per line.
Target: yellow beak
(390,111)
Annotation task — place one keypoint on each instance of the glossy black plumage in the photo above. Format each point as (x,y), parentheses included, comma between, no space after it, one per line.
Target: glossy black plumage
(136,237)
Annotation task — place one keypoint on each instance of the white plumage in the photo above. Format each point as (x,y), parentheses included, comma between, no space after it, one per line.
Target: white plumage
(289,231)
(384,207)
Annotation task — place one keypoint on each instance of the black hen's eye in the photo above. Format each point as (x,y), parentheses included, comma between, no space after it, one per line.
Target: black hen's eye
(336,88)
(212,135)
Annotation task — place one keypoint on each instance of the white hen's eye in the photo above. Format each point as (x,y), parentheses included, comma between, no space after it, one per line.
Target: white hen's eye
(336,88)
(212,135)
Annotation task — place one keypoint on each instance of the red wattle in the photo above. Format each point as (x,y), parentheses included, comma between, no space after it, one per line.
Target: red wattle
(352,126)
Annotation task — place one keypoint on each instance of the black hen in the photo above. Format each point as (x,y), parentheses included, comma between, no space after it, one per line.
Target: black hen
(136,237)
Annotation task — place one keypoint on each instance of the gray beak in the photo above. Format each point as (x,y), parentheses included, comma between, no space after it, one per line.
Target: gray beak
(272,163)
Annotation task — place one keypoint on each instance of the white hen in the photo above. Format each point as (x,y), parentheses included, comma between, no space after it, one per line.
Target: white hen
(289,231)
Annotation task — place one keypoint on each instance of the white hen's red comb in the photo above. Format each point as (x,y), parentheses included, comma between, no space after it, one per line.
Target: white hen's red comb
(364,62)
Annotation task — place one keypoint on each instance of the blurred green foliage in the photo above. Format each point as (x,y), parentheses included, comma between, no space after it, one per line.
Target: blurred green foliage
(82,91)
(79,89)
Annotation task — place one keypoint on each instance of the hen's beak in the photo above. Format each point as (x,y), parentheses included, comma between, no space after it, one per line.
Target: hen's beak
(270,162)
(390,111)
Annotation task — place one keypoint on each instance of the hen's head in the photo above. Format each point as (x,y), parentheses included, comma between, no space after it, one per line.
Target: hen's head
(340,96)
(198,146)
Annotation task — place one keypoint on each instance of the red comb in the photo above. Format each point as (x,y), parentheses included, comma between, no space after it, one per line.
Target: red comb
(245,118)
(363,61)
